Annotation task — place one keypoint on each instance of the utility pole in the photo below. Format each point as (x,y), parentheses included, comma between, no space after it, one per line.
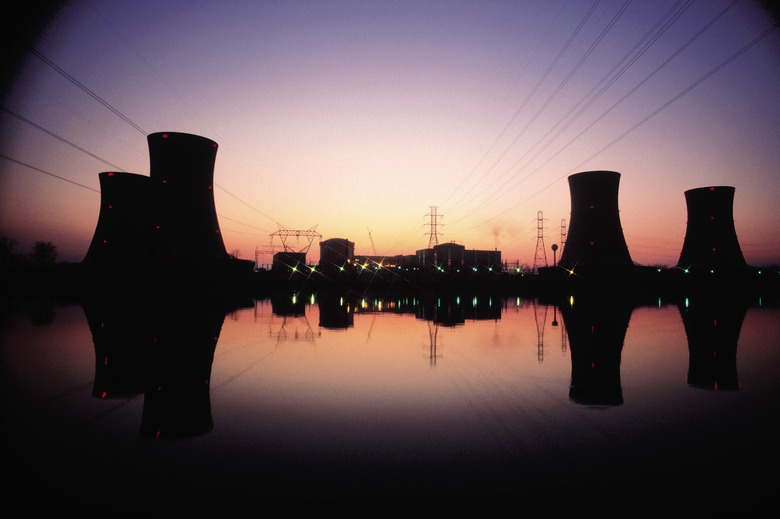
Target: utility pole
(434,225)
(541,254)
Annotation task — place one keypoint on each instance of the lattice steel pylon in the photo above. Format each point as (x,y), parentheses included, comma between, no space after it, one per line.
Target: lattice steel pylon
(540,258)
(563,234)
(434,233)
(310,234)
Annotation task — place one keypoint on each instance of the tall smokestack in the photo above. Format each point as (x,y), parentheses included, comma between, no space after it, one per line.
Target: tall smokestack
(182,174)
(595,237)
(122,230)
(711,242)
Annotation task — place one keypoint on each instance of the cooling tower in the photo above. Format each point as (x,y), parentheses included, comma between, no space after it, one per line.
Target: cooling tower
(711,243)
(185,216)
(121,234)
(595,237)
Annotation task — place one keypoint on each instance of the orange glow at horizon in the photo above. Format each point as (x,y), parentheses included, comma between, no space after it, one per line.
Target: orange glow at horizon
(362,116)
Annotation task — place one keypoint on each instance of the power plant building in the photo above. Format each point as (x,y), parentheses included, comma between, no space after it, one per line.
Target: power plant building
(711,243)
(169,216)
(124,221)
(453,257)
(336,253)
(595,237)
(182,175)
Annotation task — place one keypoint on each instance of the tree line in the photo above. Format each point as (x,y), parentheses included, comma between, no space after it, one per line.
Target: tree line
(42,254)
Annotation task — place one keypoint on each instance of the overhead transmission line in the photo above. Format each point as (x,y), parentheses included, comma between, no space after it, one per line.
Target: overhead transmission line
(552,96)
(633,55)
(113,110)
(87,90)
(52,134)
(506,98)
(658,110)
(48,173)
(536,87)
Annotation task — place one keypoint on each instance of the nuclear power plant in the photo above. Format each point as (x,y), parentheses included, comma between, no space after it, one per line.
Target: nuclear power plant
(167,219)
(711,244)
(595,238)
(167,222)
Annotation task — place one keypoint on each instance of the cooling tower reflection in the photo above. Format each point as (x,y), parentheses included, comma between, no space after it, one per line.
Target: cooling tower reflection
(596,329)
(712,326)
(161,347)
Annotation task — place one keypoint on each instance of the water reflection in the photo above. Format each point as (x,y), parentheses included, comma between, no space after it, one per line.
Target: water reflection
(712,326)
(163,348)
(499,411)
(596,328)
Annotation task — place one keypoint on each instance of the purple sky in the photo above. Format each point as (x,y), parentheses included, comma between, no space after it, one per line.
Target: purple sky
(358,116)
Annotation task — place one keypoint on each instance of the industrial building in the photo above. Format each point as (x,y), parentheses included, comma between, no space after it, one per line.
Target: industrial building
(595,237)
(336,254)
(452,257)
(166,219)
(122,231)
(711,244)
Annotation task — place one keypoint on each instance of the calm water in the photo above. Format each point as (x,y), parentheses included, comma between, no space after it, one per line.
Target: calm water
(349,403)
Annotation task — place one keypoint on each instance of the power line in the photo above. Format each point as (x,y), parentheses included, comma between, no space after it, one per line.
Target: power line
(87,90)
(647,118)
(642,46)
(50,174)
(551,97)
(533,91)
(69,143)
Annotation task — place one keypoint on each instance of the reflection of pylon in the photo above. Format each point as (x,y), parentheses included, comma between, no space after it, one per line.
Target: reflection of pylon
(433,333)
(540,258)
(540,333)
(434,232)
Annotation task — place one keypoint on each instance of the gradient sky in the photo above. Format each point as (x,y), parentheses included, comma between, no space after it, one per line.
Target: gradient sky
(360,115)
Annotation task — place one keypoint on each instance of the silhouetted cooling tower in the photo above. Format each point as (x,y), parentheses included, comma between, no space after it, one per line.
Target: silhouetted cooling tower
(595,237)
(711,242)
(122,231)
(182,174)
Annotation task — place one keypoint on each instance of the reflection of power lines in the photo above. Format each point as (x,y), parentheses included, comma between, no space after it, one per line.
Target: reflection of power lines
(291,327)
(433,334)
(540,333)
(563,329)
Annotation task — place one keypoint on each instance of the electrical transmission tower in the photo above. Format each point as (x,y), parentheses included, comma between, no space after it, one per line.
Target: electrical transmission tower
(540,258)
(434,233)
(308,234)
(563,234)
